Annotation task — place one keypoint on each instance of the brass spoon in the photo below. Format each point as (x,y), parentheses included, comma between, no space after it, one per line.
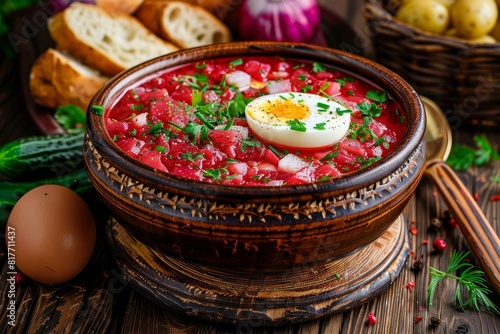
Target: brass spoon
(481,237)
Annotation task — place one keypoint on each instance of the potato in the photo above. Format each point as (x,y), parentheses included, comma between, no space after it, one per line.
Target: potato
(485,39)
(429,15)
(474,19)
(446,3)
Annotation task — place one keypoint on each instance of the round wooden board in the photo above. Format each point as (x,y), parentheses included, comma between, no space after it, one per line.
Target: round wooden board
(263,299)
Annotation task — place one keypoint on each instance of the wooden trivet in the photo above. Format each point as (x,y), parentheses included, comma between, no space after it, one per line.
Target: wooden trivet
(263,299)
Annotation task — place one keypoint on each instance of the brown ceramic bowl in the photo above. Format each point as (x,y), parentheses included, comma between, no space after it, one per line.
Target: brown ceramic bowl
(264,228)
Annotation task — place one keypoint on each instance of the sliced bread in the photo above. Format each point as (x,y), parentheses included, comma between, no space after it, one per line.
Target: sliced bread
(109,42)
(56,79)
(182,23)
(122,6)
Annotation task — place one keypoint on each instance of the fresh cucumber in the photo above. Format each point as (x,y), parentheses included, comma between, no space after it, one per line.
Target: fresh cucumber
(11,191)
(38,157)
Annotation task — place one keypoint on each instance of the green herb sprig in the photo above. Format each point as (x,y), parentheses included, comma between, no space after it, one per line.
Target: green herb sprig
(462,157)
(473,280)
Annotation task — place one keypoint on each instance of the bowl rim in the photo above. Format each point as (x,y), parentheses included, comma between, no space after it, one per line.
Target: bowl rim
(360,66)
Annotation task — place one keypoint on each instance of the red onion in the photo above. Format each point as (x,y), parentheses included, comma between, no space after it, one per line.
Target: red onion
(279,20)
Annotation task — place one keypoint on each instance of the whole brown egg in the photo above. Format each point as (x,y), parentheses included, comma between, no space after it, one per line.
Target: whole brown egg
(52,233)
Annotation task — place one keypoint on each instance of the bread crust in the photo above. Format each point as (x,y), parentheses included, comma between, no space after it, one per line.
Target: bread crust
(183,23)
(122,6)
(93,53)
(56,79)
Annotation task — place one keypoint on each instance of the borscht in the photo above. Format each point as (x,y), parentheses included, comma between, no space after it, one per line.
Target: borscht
(256,121)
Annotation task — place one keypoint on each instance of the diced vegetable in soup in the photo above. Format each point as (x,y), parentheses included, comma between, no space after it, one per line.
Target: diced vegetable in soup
(256,121)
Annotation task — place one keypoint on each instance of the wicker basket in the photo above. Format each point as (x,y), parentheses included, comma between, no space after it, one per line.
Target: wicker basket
(462,78)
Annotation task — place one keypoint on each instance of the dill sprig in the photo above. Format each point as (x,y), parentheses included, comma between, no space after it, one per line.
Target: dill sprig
(472,279)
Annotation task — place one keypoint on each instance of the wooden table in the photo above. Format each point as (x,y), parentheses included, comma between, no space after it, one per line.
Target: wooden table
(100,301)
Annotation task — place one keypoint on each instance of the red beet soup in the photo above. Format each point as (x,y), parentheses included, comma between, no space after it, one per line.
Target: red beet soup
(193,122)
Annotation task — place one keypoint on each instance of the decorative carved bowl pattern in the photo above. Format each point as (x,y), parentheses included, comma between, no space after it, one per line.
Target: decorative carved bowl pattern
(259,228)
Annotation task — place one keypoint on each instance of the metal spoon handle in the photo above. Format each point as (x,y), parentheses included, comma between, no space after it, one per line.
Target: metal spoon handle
(481,237)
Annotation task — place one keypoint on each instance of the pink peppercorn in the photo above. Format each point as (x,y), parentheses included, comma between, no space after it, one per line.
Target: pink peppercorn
(371,319)
(439,245)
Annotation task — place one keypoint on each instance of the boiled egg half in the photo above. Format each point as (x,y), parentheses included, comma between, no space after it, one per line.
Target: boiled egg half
(298,120)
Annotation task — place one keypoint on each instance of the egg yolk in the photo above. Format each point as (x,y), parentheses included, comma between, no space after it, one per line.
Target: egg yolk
(282,109)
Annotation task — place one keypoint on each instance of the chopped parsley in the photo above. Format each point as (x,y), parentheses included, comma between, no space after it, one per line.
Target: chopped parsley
(369,109)
(462,157)
(377,96)
(317,67)
(161,149)
(342,81)
(251,142)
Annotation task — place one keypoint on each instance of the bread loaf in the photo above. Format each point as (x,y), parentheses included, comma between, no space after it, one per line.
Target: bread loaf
(182,23)
(220,8)
(58,79)
(122,6)
(109,42)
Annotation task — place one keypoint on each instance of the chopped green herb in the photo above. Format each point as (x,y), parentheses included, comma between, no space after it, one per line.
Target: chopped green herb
(204,120)
(275,151)
(342,111)
(137,107)
(201,65)
(188,156)
(196,97)
(177,126)
(369,109)
(343,80)
(98,110)
(229,124)
(379,141)
(236,107)
(297,125)
(369,161)
(236,62)
(317,67)
(251,142)
(301,77)
(320,126)
(194,129)
(323,106)
(377,96)
(155,129)
(133,132)
(214,173)
(306,88)
(330,155)
(161,149)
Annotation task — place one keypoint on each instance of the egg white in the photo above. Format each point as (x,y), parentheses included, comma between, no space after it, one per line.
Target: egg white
(268,117)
